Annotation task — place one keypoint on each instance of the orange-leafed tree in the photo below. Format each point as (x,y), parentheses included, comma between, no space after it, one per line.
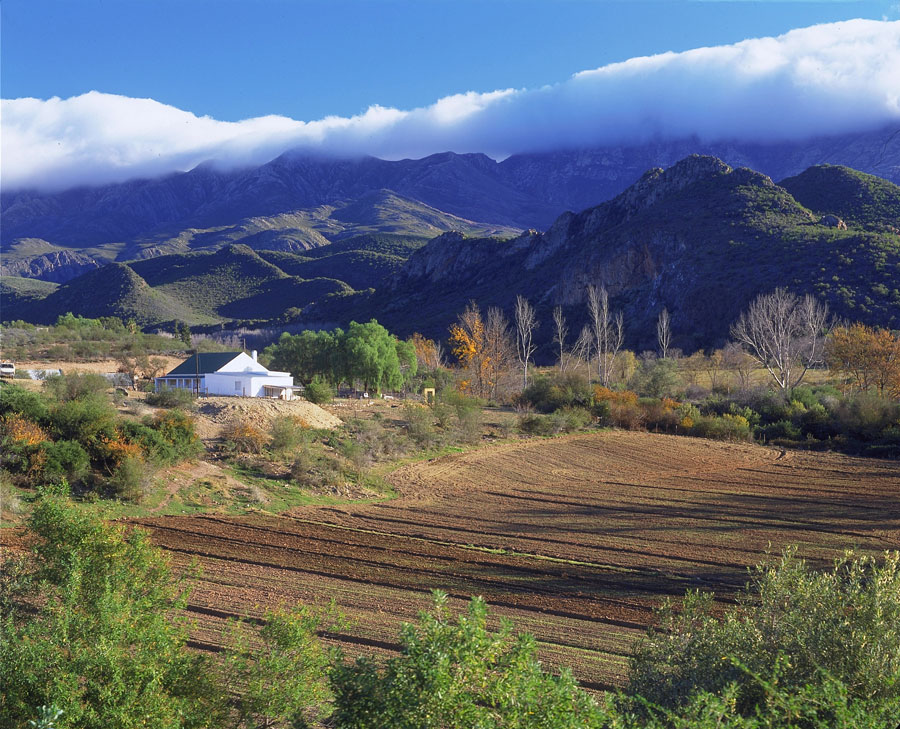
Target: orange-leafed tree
(867,358)
(483,347)
(429,354)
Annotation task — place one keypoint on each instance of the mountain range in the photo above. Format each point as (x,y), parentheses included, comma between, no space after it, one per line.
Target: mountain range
(700,238)
(297,201)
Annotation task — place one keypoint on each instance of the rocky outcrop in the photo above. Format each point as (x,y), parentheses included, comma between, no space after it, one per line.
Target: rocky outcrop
(832,221)
(57,266)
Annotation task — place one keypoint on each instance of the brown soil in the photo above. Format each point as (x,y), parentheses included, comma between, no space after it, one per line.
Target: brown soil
(576,539)
(260,412)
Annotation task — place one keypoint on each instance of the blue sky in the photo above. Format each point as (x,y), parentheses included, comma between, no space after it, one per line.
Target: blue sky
(308,58)
(99,91)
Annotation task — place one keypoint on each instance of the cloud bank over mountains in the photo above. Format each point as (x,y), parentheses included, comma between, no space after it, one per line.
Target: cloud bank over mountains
(825,79)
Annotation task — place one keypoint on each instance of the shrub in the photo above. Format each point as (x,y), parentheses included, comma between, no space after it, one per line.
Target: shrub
(286,434)
(16,399)
(318,391)
(154,444)
(76,386)
(865,416)
(171,397)
(656,378)
(243,438)
(105,640)
(534,424)
(89,420)
(780,429)
(560,390)
(129,479)
(178,429)
(661,414)
(457,673)
(726,427)
(66,461)
(419,424)
(793,622)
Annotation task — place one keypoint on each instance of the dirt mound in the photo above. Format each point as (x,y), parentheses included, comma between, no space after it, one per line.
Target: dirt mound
(259,412)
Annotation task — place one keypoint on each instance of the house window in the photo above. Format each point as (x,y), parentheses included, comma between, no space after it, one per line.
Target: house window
(237,386)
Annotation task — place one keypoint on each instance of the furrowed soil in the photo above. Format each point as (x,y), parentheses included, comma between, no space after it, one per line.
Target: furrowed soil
(576,539)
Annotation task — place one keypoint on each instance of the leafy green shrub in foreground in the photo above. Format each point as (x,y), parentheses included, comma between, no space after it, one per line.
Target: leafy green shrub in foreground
(459,674)
(806,628)
(104,646)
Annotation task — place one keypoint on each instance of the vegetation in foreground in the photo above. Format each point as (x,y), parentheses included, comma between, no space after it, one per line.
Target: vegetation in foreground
(91,628)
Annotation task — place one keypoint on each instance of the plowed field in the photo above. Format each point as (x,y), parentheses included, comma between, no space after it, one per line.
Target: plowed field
(576,539)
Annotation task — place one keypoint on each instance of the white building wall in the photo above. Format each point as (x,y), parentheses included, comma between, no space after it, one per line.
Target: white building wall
(245,384)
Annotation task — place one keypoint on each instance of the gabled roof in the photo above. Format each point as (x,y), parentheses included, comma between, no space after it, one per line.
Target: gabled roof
(209,362)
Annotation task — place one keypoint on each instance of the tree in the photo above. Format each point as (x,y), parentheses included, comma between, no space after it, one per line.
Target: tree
(526,323)
(429,354)
(560,332)
(785,334)
(483,348)
(377,357)
(739,363)
(608,331)
(664,332)
(869,358)
(499,350)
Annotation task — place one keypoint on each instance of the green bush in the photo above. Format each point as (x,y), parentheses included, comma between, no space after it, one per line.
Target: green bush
(90,420)
(318,391)
(534,424)
(803,626)
(286,435)
(104,640)
(66,461)
(153,443)
(457,673)
(16,399)
(657,378)
(559,390)
(178,429)
(76,386)
(129,480)
(420,424)
(780,429)
(171,397)
(726,427)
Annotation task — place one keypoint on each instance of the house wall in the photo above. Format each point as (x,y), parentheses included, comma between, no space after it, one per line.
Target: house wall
(244,384)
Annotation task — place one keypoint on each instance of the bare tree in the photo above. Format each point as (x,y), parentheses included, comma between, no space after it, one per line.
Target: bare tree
(526,323)
(664,332)
(498,349)
(785,334)
(561,331)
(739,363)
(608,331)
(583,348)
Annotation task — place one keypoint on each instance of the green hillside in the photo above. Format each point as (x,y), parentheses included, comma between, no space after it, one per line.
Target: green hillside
(389,244)
(358,269)
(113,290)
(859,199)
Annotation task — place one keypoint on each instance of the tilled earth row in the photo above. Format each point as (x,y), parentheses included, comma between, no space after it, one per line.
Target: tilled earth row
(575,539)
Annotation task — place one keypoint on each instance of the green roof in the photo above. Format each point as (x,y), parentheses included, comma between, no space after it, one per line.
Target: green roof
(209,362)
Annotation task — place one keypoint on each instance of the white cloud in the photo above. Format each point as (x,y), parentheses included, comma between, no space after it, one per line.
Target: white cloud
(819,80)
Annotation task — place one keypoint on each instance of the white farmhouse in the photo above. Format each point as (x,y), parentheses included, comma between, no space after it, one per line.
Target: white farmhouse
(228,373)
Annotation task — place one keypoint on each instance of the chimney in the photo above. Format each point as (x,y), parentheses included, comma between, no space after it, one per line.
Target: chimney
(253,354)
